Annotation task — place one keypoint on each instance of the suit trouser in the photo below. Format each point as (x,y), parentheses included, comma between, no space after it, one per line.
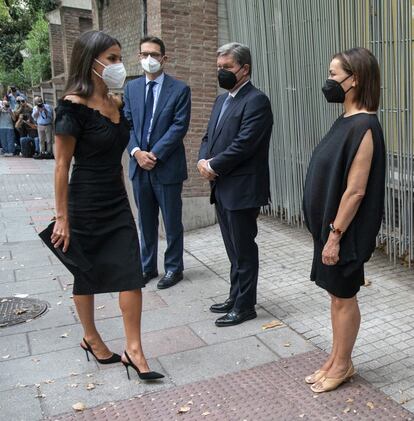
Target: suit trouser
(45,138)
(239,230)
(151,196)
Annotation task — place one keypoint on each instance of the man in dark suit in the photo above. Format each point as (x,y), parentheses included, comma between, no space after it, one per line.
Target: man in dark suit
(234,157)
(158,108)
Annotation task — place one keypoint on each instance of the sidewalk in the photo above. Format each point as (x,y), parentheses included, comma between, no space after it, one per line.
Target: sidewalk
(237,373)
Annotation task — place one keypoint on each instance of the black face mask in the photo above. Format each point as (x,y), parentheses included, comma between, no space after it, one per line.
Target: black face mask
(227,79)
(333,90)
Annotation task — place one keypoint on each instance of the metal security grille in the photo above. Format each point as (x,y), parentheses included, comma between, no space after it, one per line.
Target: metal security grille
(292,42)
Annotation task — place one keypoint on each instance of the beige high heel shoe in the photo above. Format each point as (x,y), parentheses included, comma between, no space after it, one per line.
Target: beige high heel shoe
(326,384)
(315,376)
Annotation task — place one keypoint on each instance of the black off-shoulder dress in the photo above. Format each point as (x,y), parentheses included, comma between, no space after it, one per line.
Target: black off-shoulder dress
(326,182)
(100,216)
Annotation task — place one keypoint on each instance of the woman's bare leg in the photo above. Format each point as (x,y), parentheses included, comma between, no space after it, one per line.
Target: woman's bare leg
(86,312)
(130,303)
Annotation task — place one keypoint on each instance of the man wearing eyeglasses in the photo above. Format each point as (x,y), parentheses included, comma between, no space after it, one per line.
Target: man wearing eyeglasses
(158,108)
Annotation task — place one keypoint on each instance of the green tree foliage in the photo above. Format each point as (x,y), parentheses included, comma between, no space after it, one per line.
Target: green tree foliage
(36,64)
(17,19)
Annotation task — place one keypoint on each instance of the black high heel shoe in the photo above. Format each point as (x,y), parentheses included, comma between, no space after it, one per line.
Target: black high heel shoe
(150,375)
(114,358)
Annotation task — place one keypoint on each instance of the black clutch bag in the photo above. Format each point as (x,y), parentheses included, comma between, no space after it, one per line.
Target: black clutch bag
(73,258)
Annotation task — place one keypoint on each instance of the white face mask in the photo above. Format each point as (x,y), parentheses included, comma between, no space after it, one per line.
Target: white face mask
(150,64)
(113,74)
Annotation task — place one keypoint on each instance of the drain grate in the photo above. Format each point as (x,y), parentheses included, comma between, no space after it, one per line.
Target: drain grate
(15,310)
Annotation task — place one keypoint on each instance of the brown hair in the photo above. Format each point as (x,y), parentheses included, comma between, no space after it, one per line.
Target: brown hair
(86,49)
(363,65)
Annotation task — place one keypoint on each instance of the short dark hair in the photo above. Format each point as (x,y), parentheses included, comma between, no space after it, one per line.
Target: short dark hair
(86,49)
(240,53)
(363,65)
(155,40)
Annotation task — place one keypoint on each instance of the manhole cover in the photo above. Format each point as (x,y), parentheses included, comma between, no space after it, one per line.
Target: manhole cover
(15,310)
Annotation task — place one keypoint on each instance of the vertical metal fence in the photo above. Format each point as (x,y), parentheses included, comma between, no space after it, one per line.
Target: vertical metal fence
(292,42)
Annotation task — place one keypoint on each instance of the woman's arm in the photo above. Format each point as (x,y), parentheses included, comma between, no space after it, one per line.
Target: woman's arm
(64,149)
(351,199)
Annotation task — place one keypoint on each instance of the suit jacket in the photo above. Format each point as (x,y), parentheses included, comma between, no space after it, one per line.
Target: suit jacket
(239,148)
(169,126)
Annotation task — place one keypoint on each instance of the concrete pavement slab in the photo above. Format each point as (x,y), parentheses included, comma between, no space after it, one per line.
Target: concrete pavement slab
(285,342)
(39,368)
(20,404)
(214,360)
(14,346)
(32,286)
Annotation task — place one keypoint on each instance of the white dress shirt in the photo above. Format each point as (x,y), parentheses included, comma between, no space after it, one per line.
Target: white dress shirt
(156,90)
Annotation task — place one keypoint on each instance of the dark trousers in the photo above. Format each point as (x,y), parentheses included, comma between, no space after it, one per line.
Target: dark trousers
(151,196)
(239,230)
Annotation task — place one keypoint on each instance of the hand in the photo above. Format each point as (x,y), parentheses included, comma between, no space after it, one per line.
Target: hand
(146,160)
(61,234)
(330,253)
(204,170)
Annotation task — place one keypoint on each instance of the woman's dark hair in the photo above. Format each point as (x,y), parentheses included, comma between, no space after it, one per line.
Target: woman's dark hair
(363,65)
(87,48)
(154,40)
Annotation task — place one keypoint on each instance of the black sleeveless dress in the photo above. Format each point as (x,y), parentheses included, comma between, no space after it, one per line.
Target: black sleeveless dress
(100,216)
(326,181)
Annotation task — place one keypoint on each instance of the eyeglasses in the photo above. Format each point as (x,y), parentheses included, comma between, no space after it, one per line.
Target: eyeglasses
(152,54)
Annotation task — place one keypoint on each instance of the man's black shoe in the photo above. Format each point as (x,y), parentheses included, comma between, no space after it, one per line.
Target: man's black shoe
(235,318)
(149,275)
(169,279)
(39,156)
(222,307)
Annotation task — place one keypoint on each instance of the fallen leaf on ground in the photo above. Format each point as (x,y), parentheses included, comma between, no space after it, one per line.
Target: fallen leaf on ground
(272,324)
(18,311)
(184,409)
(349,400)
(64,335)
(40,396)
(89,375)
(48,381)
(5,357)
(59,303)
(367,282)
(370,405)
(286,344)
(90,386)
(204,414)
(100,307)
(79,406)
(346,410)
(74,385)
(35,360)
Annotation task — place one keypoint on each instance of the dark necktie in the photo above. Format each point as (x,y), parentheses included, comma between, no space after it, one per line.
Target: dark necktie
(149,105)
(224,108)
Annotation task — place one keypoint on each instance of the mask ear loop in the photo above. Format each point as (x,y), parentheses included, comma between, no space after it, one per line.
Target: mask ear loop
(103,65)
(344,81)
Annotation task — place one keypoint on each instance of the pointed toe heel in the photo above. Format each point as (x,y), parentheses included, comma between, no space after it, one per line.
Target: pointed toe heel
(148,376)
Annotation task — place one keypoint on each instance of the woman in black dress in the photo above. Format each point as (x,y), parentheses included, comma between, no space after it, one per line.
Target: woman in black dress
(343,203)
(94,209)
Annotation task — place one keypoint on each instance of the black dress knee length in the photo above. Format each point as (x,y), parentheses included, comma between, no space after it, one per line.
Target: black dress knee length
(326,182)
(100,216)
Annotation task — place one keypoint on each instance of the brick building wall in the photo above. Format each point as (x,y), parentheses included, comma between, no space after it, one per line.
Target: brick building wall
(71,29)
(122,19)
(56,51)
